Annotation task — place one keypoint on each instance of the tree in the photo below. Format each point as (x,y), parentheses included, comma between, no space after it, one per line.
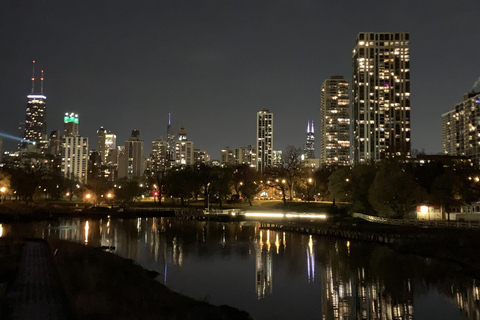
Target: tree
(340,185)
(179,183)
(127,191)
(245,178)
(276,178)
(362,178)
(221,183)
(394,192)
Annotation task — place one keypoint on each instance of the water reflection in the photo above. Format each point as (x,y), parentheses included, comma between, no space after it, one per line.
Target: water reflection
(314,277)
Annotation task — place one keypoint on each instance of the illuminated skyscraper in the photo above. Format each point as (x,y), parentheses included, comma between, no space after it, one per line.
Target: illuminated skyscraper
(335,122)
(184,149)
(74,151)
(159,155)
(70,124)
(460,130)
(309,147)
(36,116)
(170,141)
(264,139)
(381,96)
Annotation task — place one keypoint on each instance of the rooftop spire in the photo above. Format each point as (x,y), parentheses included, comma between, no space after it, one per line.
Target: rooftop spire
(41,83)
(33,76)
(312,130)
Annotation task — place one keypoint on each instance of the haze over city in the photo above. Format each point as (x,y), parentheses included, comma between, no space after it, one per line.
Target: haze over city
(214,64)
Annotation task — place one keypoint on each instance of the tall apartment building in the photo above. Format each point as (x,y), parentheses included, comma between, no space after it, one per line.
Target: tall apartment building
(227,156)
(461,129)
(201,156)
(158,157)
(246,155)
(132,162)
(184,149)
(381,96)
(264,139)
(335,122)
(74,152)
(309,147)
(101,146)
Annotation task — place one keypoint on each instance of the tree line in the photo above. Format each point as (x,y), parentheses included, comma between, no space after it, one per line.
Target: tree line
(387,188)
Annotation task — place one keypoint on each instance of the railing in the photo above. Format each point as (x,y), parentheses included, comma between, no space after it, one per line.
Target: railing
(420,223)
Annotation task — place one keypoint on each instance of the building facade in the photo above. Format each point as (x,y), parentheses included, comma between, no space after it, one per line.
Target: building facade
(335,122)
(264,136)
(461,129)
(184,154)
(36,121)
(381,97)
(132,160)
(227,156)
(246,155)
(158,156)
(75,158)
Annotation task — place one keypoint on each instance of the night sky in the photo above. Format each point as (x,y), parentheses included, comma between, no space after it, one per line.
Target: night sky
(213,64)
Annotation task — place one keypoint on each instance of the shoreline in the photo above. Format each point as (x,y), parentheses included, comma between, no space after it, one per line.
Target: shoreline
(102,285)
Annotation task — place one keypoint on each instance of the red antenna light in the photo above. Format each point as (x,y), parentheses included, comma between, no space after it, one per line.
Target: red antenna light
(41,82)
(33,76)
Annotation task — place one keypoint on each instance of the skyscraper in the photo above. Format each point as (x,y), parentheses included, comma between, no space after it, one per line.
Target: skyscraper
(132,163)
(170,141)
(335,122)
(70,124)
(159,155)
(184,149)
(309,147)
(101,145)
(74,152)
(381,96)
(36,116)
(264,139)
(460,130)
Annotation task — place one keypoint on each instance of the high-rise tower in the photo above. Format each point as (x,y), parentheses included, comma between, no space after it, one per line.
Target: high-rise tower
(460,134)
(70,124)
(381,96)
(264,139)
(74,151)
(309,147)
(335,122)
(170,141)
(36,116)
(132,163)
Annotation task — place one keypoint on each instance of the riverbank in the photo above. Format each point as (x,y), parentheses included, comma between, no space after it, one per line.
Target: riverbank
(101,285)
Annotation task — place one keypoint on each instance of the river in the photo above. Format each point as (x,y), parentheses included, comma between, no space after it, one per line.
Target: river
(277,275)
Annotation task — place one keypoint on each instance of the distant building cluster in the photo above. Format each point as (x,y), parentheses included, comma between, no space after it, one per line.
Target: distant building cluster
(362,120)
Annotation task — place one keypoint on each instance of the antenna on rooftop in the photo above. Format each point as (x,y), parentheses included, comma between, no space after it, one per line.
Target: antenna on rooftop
(41,83)
(33,76)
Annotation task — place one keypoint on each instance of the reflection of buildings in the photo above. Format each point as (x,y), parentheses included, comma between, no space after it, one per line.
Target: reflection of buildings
(310,261)
(467,298)
(354,293)
(263,266)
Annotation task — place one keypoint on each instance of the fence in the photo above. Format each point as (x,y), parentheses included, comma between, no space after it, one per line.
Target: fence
(420,223)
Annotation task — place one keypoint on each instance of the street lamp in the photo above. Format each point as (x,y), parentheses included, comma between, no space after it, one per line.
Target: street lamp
(3,190)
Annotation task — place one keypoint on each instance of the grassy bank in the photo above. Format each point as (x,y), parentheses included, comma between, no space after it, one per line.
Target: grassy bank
(101,285)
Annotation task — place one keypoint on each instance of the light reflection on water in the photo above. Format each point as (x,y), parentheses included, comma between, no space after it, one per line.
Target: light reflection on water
(253,269)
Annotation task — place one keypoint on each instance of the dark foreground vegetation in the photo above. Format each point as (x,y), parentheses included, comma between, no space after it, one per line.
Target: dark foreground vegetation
(101,285)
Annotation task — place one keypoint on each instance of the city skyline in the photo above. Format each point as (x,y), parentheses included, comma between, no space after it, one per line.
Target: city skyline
(212,66)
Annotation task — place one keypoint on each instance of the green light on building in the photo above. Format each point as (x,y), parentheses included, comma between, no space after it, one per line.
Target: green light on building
(67,119)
